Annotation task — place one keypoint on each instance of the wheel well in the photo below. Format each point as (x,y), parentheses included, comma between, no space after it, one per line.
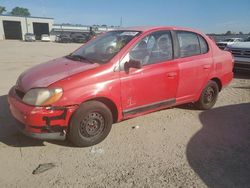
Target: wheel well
(217,80)
(110,104)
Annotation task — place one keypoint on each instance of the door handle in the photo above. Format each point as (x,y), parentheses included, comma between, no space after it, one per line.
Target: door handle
(206,66)
(172,74)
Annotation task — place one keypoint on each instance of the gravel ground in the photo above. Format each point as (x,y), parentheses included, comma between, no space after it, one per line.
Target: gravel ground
(178,147)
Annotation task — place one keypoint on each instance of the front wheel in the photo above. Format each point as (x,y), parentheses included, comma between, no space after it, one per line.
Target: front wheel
(208,96)
(90,124)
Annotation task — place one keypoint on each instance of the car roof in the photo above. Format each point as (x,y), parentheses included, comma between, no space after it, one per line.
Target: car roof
(151,28)
(233,38)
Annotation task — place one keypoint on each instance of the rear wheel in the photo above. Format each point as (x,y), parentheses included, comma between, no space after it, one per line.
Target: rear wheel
(208,96)
(90,124)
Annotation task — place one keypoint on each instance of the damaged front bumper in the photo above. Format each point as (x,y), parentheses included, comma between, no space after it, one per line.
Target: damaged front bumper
(45,123)
(41,136)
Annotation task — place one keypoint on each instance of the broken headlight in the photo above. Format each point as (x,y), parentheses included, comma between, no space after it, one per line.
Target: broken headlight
(42,96)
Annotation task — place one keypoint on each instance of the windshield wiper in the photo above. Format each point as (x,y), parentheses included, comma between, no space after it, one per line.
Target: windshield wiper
(79,58)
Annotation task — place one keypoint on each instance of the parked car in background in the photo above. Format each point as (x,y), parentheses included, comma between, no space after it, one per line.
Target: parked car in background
(79,38)
(29,37)
(45,38)
(63,38)
(247,39)
(109,45)
(228,41)
(241,53)
(148,69)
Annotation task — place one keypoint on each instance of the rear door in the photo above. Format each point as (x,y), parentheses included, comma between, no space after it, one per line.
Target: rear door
(154,85)
(195,64)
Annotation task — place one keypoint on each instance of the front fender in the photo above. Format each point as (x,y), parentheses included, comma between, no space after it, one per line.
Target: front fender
(109,90)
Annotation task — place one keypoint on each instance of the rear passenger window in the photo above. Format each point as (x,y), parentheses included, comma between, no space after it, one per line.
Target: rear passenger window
(203,45)
(191,44)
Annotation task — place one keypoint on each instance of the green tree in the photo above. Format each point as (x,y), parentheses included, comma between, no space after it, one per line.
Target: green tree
(19,11)
(241,33)
(229,33)
(2,9)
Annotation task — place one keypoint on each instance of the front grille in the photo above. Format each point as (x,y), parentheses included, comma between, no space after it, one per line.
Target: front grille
(241,52)
(19,93)
(242,66)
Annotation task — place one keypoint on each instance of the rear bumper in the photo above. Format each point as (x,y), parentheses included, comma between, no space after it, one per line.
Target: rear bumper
(226,79)
(47,123)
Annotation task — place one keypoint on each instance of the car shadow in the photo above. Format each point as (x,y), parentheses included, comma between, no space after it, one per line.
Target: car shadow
(187,106)
(9,133)
(242,87)
(220,152)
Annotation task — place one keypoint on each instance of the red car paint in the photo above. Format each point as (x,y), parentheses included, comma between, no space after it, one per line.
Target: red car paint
(45,74)
(181,79)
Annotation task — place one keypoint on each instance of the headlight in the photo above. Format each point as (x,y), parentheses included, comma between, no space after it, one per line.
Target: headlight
(42,96)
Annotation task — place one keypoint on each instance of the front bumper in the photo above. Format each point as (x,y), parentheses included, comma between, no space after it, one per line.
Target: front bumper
(47,123)
(41,136)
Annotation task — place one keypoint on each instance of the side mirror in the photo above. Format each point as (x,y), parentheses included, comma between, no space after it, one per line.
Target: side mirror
(132,64)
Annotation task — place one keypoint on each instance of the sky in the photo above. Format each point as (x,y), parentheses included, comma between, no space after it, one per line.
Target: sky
(209,16)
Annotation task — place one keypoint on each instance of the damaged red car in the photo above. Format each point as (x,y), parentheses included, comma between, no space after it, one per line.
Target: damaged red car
(118,75)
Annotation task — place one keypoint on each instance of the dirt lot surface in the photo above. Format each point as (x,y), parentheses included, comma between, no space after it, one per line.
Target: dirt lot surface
(178,147)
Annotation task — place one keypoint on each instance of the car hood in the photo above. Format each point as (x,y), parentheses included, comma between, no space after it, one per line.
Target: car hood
(48,73)
(240,45)
(222,42)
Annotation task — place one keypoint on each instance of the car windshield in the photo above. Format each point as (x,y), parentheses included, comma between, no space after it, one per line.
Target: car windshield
(105,47)
(229,40)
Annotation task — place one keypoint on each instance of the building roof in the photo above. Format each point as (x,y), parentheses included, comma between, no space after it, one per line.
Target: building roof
(4,15)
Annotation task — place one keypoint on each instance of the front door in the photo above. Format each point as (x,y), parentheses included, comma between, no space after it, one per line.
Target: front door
(153,85)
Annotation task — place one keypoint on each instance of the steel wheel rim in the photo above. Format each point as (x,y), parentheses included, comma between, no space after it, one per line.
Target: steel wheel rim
(209,95)
(92,125)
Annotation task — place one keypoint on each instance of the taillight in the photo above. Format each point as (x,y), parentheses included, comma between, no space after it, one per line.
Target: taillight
(232,59)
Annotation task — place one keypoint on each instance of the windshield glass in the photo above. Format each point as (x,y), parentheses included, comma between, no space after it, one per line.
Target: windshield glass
(105,47)
(229,40)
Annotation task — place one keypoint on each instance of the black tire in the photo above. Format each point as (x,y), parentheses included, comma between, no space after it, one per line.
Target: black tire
(90,124)
(208,96)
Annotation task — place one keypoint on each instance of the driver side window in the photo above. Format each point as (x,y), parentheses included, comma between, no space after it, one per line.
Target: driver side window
(154,48)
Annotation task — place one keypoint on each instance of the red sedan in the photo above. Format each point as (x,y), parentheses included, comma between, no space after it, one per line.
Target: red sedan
(119,75)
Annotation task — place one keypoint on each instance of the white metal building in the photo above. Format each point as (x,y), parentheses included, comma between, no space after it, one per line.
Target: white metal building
(15,27)
(80,29)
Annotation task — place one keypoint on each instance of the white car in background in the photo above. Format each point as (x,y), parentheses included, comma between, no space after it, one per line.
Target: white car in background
(29,37)
(241,53)
(45,38)
(223,44)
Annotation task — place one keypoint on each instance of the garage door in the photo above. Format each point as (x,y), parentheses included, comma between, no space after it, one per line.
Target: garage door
(40,28)
(12,30)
